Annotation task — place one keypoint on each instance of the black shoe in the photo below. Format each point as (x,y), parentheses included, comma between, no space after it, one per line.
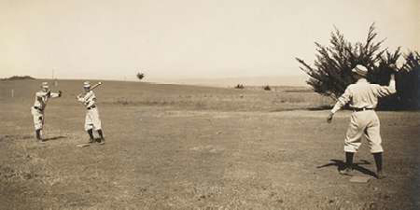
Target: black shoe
(91,141)
(346,172)
(102,142)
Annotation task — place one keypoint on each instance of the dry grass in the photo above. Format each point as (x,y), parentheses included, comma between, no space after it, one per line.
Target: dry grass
(187,147)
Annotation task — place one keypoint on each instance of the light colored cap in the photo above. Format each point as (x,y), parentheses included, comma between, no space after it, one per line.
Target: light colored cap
(360,70)
(86,84)
(44,85)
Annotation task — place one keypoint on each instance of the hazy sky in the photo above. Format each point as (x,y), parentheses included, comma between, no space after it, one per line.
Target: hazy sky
(113,39)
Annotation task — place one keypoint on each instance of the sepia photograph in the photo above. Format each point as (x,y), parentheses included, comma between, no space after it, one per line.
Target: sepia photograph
(209,105)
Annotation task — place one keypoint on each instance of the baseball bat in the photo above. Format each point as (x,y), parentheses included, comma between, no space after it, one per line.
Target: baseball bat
(91,88)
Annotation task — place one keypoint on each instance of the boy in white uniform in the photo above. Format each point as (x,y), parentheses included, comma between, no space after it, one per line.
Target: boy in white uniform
(363,99)
(41,99)
(92,120)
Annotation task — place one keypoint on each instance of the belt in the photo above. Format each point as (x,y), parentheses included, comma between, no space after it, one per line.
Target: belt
(362,109)
(91,107)
(35,107)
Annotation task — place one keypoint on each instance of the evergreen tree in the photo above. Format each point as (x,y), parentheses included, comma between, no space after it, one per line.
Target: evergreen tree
(331,71)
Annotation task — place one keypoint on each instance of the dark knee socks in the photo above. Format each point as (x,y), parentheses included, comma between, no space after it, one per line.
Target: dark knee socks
(101,134)
(378,160)
(90,132)
(38,134)
(376,156)
(349,159)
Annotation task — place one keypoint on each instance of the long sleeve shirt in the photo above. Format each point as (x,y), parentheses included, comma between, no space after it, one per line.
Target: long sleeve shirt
(89,99)
(362,94)
(41,98)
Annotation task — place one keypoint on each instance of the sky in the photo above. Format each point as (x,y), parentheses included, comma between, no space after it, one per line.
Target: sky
(115,39)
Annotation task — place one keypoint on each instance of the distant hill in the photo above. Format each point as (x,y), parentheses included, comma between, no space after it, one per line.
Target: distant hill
(18,78)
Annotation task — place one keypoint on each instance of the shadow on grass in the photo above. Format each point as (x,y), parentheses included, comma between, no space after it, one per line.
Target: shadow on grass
(356,166)
(313,108)
(320,108)
(15,137)
(55,138)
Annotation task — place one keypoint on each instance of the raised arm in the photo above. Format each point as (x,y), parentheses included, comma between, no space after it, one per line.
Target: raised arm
(382,91)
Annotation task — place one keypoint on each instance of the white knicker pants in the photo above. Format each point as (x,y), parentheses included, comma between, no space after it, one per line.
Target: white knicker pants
(38,116)
(363,123)
(92,120)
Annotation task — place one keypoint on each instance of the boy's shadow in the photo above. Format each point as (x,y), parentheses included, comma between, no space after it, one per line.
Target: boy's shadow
(54,138)
(356,166)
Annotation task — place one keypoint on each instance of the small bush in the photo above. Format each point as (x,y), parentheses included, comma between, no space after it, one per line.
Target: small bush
(140,76)
(239,86)
(267,87)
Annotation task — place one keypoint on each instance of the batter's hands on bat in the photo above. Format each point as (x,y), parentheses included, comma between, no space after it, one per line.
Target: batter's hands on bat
(330,117)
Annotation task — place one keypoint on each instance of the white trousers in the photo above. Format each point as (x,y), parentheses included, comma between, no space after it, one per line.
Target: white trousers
(366,124)
(92,120)
(38,116)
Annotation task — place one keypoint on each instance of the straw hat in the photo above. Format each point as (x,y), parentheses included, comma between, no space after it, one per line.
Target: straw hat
(86,84)
(360,70)
(44,85)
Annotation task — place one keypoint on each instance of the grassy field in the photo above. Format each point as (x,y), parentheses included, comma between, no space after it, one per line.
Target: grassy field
(190,147)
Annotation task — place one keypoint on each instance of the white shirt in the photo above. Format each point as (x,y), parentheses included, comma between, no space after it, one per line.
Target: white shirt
(41,98)
(362,94)
(89,99)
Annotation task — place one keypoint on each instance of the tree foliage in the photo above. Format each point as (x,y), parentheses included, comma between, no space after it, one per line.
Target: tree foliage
(408,82)
(140,76)
(331,73)
(239,86)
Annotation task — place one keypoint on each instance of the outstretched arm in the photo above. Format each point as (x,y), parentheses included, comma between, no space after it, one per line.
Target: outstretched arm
(55,95)
(342,100)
